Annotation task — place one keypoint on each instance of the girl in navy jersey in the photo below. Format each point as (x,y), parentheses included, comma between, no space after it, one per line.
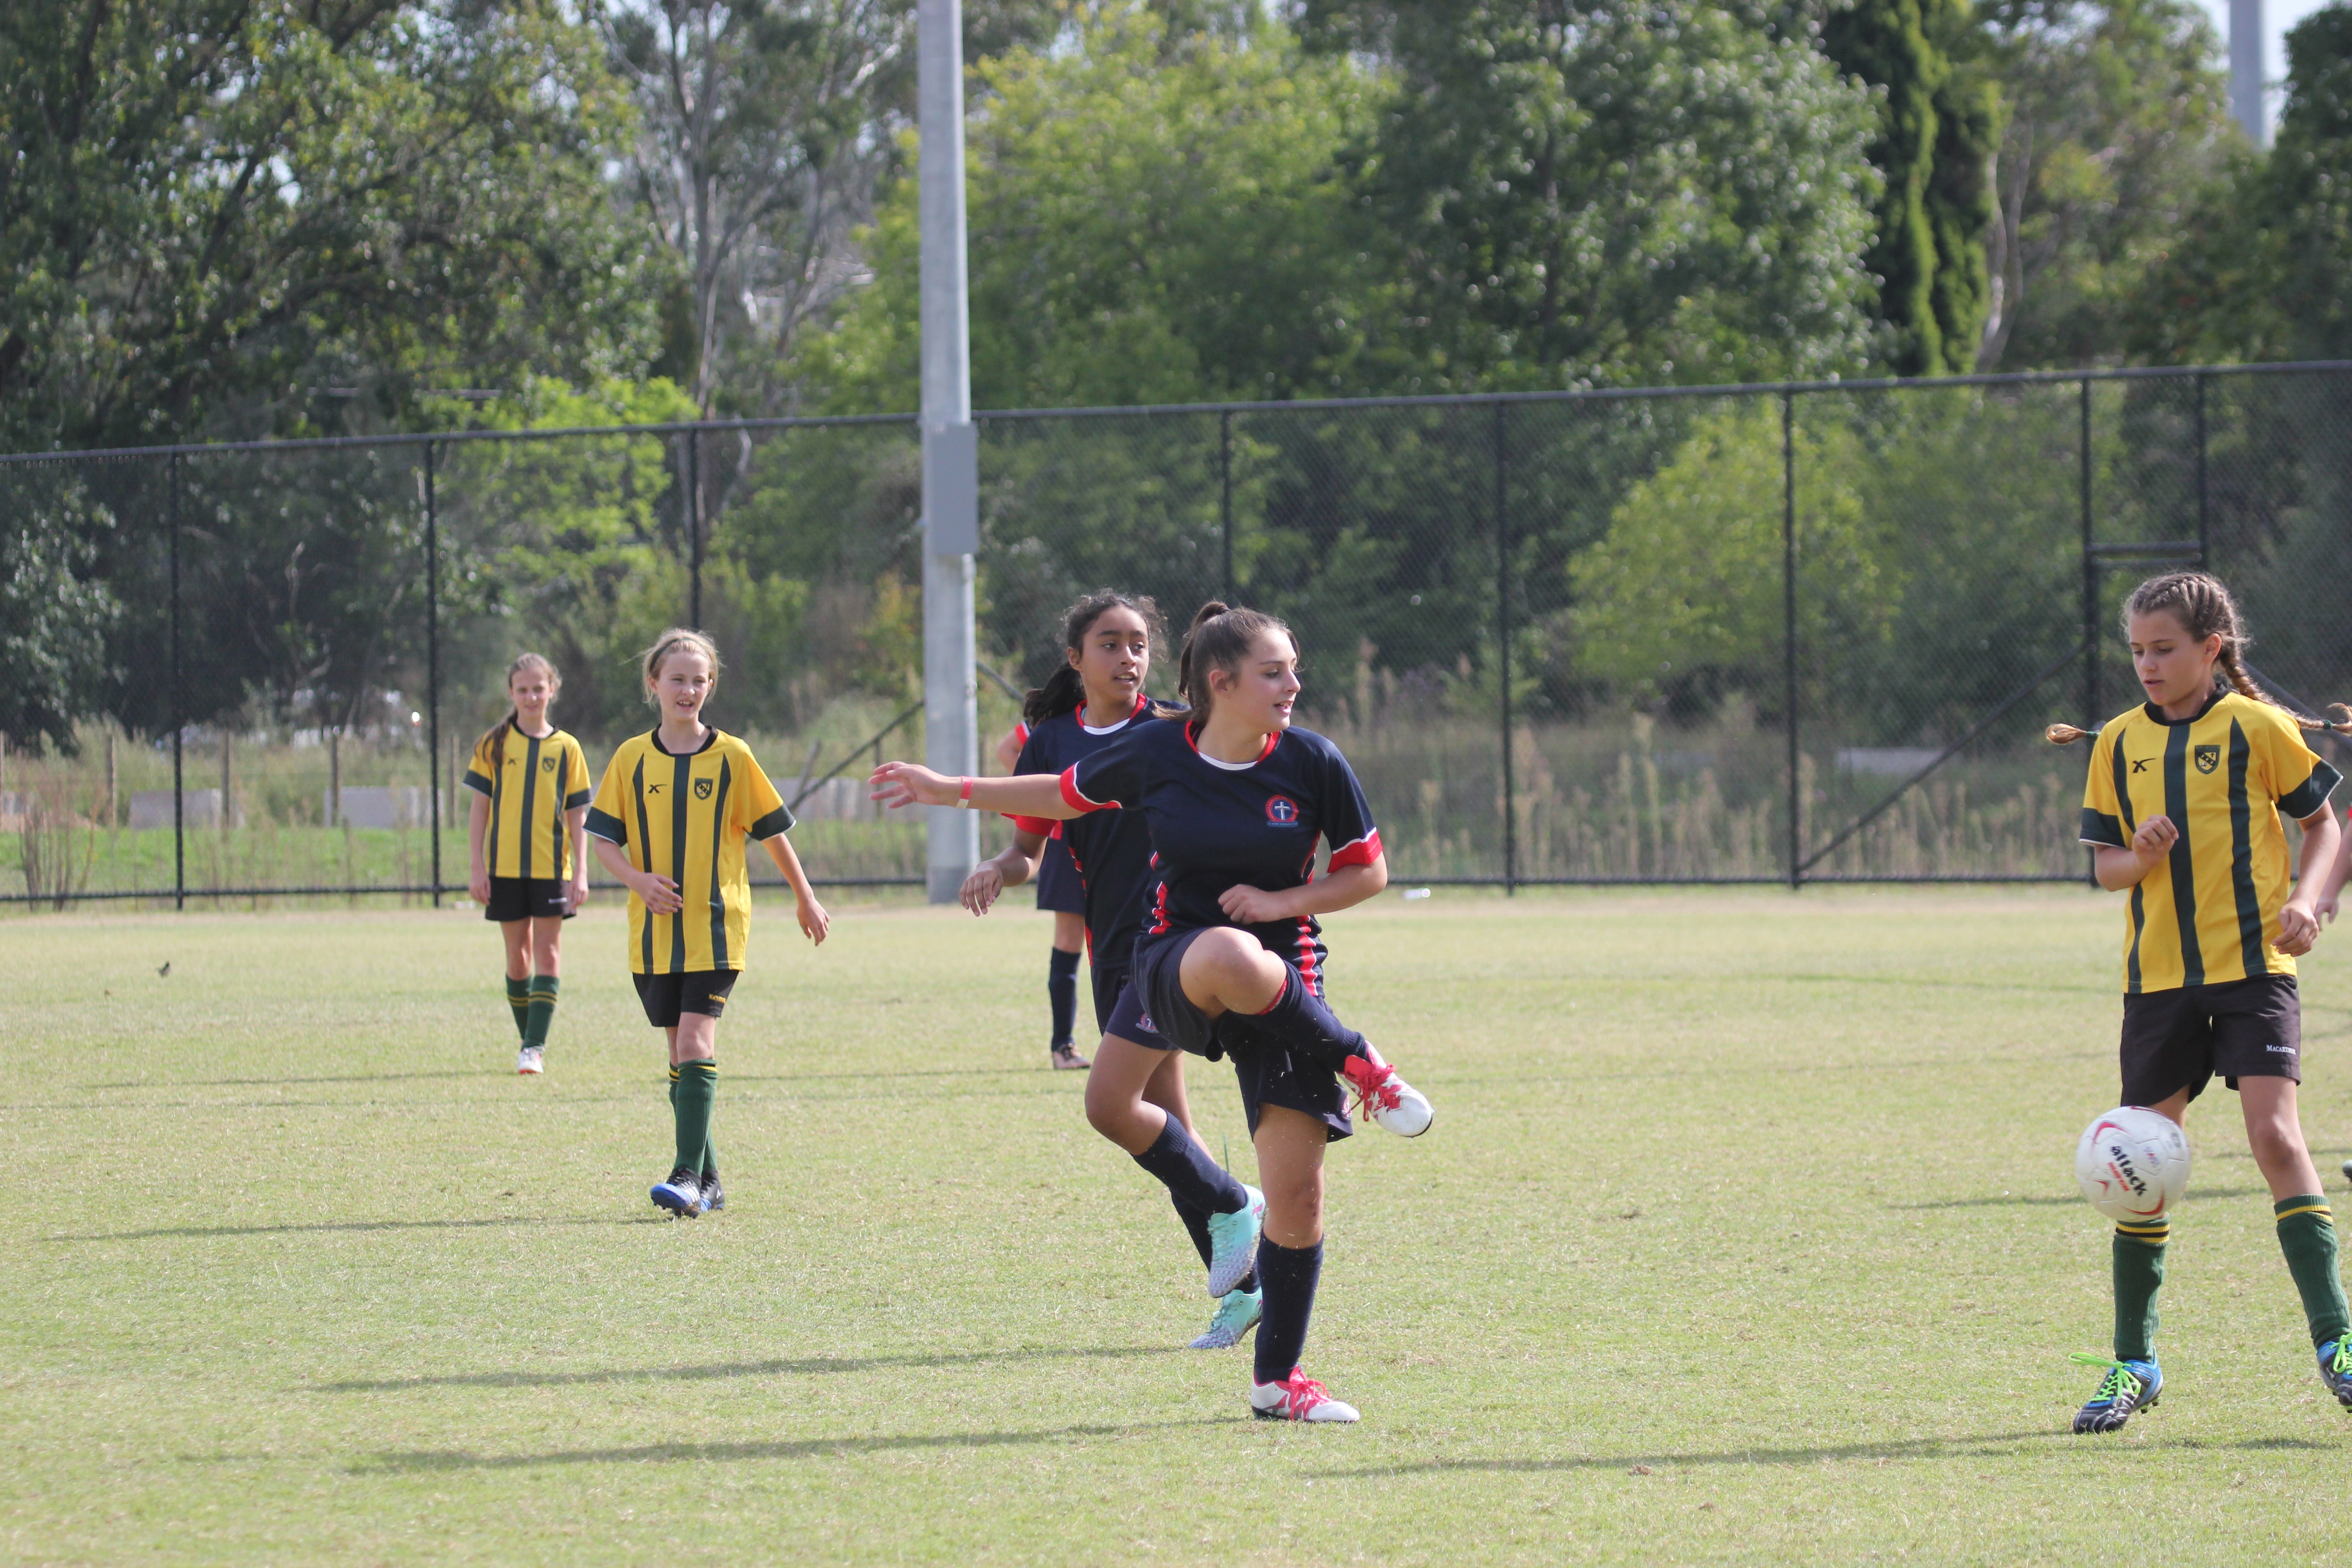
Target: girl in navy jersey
(1135,1092)
(1230,962)
(1062,890)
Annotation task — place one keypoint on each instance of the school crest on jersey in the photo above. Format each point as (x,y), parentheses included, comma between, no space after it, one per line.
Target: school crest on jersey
(547,765)
(2208,758)
(702,789)
(1281,810)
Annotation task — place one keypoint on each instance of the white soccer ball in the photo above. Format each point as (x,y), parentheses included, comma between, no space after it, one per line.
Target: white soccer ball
(2132,1163)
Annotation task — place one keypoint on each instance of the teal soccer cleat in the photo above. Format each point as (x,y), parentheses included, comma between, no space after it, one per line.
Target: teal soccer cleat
(2129,1385)
(1233,1243)
(1236,1315)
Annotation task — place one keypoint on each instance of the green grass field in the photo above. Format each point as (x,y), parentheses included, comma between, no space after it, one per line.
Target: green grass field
(1746,1232)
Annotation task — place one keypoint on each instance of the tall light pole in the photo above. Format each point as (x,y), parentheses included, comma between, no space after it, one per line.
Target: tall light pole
(2247,105)
(950,449)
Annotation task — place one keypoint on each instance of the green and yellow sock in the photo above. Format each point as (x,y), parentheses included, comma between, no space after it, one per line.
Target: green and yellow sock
(697,1087)
(2306,1233)
(2139,1275)
(519,1000)
(542,1011)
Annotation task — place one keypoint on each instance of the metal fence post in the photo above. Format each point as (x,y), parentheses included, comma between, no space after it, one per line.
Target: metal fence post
(1503,650)
(1789,634)
(1226,496)
(179,710)
(433,664)
(694,524)
(2090,572)
(2204,496)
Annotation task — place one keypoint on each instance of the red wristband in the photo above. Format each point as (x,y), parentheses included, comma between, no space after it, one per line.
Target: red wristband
(963,800)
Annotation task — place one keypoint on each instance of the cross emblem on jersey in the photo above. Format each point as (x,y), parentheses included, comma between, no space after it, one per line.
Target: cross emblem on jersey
(1281,810)
(2208,758)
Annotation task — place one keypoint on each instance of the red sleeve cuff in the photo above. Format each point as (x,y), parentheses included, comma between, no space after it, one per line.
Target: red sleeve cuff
(1362,852)
(1043,826)
(1076,802)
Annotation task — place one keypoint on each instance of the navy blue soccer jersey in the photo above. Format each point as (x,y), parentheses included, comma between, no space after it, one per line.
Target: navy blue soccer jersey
(1112,849)
(1216,825)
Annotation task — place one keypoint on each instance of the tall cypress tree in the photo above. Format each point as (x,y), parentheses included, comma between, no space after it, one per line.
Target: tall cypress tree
(1938,126)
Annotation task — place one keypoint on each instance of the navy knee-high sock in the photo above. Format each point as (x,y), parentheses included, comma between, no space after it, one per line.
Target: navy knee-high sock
(1287,1275)
(1062,991)
(1196,1225)
(1299,1019)
(1177,1158)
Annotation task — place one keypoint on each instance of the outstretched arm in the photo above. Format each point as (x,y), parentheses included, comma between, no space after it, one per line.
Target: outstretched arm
(1026,795)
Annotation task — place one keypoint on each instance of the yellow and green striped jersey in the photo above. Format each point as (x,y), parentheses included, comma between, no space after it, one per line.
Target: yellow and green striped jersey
(2209,913)
(530,782)
(685,819)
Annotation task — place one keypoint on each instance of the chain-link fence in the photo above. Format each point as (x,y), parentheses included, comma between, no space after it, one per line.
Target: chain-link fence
(1785,633)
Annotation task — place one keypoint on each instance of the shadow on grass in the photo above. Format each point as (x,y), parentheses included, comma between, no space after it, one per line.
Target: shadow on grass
(433,1461)
(356,1224)
(1970,1447)
(267,1082)
(806,1366)
(2007,1201)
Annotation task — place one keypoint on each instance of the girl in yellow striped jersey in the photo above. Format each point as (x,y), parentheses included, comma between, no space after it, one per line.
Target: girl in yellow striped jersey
(669,820)
(2183,810)
(530,860)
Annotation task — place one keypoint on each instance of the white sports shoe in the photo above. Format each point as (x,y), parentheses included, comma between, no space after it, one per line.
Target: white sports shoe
(1236,1315)
(528,1060)
(1298,1397)
(1388,1100)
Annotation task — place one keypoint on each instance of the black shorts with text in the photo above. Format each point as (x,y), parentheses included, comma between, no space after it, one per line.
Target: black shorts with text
(526,899)
(700,991)
(2184,1037)
(1269,1072)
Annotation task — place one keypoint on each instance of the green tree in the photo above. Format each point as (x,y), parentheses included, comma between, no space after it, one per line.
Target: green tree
(1152,220)
(2118,124)
(1938,126)
(1577,194)
(273,216)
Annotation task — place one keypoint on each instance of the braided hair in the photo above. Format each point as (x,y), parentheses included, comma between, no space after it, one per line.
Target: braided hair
(2204,608)
(1065,690)
(494,739)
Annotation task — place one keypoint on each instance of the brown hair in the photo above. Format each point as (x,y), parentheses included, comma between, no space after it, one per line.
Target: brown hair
(668,643)
(494,739)
(2204,608)
(1065,690)
(1220,637)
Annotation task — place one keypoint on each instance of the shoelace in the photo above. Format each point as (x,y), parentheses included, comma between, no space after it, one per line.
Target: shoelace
(2112,1387)
(2342,1366)
(1300,1394)
(1376,1093)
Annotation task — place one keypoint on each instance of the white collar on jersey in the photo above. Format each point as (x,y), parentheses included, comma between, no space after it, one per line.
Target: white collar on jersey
(1110,729)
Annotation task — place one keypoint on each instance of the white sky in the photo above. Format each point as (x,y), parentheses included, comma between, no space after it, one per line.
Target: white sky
(2278,15)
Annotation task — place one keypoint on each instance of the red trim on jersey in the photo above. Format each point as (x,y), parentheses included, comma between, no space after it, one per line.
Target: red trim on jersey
(1158,909)
(1362,852)
(1306,951)
(1043,826)
(1192,738)
(1076,802)
(1020,732)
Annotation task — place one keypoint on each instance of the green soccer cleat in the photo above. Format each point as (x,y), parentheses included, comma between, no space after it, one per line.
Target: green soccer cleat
(2129,1385)
(1236,1315)
(2335,1368)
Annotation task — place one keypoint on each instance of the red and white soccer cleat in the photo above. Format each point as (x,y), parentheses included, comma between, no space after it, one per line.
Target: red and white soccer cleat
(1388,1100)
(1298,1397)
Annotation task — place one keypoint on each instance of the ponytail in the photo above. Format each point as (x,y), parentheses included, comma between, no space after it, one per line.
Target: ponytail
(668,643)
(1065,690)
(2204,608)
(1220,637)
(494,739)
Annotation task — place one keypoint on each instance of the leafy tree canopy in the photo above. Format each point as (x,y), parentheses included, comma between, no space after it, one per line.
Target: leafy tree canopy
(255,217)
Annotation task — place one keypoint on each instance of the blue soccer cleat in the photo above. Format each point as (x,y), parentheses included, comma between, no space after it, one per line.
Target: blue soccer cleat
(2335,1368)
(1233,1243)
(2129,1385)
(681,1194)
